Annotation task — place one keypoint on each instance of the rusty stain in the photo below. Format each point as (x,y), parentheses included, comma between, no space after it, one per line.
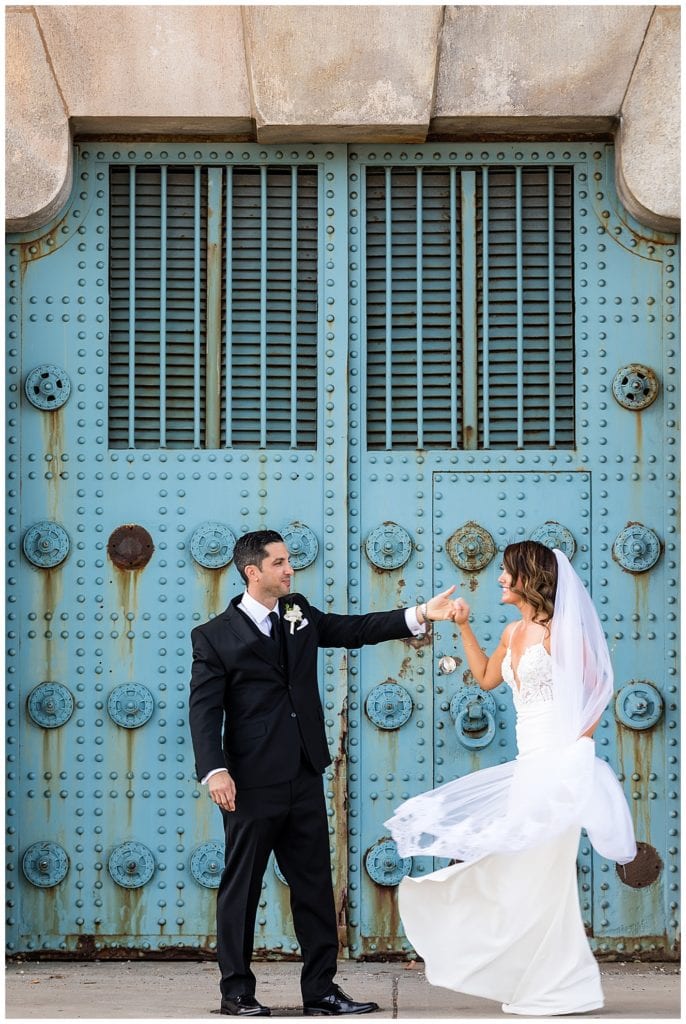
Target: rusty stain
(339,786)
(211,583)
(473,583)
(418,642)
(52,423)
(405,668)
(644,869)
(51,592)
(127,598)
(639,437)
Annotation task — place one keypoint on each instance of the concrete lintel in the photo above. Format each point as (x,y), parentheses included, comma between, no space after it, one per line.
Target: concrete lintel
(522,127)
(234,129)
(341,133)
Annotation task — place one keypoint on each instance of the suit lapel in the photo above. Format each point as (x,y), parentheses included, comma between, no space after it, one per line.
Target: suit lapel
(249,634)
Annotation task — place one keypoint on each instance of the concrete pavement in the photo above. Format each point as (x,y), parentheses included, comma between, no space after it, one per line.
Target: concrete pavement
(166,990)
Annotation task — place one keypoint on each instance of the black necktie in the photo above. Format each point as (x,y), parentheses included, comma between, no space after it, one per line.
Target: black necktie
(276,629)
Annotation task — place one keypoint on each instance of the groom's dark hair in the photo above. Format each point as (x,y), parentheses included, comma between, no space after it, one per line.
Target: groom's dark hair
(251,549)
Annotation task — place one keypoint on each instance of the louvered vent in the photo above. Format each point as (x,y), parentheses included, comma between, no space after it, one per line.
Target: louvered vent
(412,329)
(526,359)
(164,390)
(177,318)
(469,308)
(273,309)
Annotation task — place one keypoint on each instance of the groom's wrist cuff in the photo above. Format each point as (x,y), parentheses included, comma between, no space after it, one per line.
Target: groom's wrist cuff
(209,775)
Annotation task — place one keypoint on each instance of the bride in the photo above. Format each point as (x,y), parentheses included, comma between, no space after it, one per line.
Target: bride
(505,923)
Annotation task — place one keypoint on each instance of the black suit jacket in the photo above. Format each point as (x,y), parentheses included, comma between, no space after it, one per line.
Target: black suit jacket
(251,709)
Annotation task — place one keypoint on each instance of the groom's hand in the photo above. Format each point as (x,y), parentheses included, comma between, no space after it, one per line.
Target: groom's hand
(440,606)
(223,791)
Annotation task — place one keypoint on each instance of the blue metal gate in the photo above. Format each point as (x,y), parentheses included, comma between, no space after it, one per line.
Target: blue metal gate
(403,357)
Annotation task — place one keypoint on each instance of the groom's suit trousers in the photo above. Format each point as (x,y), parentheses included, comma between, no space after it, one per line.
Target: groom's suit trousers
(289,818)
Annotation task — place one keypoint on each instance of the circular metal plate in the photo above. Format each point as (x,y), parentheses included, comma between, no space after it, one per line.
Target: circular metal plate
(45,864)
(555,535)
(644,869)
(384,865)
(47,387)
(130,705)
(635,386)
(388,705)
(473,713)
(46,544)
(636,548)
(130,547)
(388,546)
(639,705)
(302,544)
(212,545)
(207,864)
(50,705)
(471,547)
(131,865)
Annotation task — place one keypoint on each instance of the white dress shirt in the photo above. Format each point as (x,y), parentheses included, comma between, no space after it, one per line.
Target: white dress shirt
(260,616)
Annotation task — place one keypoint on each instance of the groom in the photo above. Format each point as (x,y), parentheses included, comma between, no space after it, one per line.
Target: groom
(258,734)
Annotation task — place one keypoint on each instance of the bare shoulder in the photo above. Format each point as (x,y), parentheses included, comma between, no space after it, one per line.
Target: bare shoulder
(506,638)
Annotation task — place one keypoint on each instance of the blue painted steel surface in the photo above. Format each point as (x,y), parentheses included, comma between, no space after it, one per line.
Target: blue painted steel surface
(428,329)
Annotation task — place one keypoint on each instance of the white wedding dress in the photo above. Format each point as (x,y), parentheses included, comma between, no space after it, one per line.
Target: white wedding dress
(508,926)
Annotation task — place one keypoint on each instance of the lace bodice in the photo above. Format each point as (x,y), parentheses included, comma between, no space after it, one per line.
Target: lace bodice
(535,675)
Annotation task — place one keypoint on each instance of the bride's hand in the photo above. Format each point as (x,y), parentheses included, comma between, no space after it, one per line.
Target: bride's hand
(460,613)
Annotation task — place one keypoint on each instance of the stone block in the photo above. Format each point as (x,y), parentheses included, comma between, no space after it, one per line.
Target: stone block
(648,153)
(345,74)
(508,69)
(150,68)
(38,158)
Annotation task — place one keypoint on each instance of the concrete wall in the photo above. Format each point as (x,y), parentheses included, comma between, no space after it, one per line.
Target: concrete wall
(315,73)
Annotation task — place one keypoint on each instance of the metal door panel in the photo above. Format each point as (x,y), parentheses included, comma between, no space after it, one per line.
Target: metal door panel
(613,467)
(94,785)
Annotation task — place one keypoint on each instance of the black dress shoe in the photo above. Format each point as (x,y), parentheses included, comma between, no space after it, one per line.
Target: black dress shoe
(244,1006)
(335,1004)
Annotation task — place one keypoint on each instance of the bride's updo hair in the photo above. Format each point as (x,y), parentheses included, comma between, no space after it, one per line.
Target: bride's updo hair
(533,568)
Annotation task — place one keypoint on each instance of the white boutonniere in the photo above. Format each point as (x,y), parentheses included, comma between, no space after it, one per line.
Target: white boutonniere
(294,615)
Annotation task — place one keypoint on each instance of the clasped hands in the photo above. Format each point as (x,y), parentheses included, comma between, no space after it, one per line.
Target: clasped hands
(442,608)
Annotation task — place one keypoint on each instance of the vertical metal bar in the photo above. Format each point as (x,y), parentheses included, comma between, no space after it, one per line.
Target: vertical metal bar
(196,310)
(263,306)
(420,318)
(453,308)
(470,357)
(485,371)
(163,307)
(551,307)
(294,307)
(520,307)
(229,303)
(213,339)
(389,309)
(132,307)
